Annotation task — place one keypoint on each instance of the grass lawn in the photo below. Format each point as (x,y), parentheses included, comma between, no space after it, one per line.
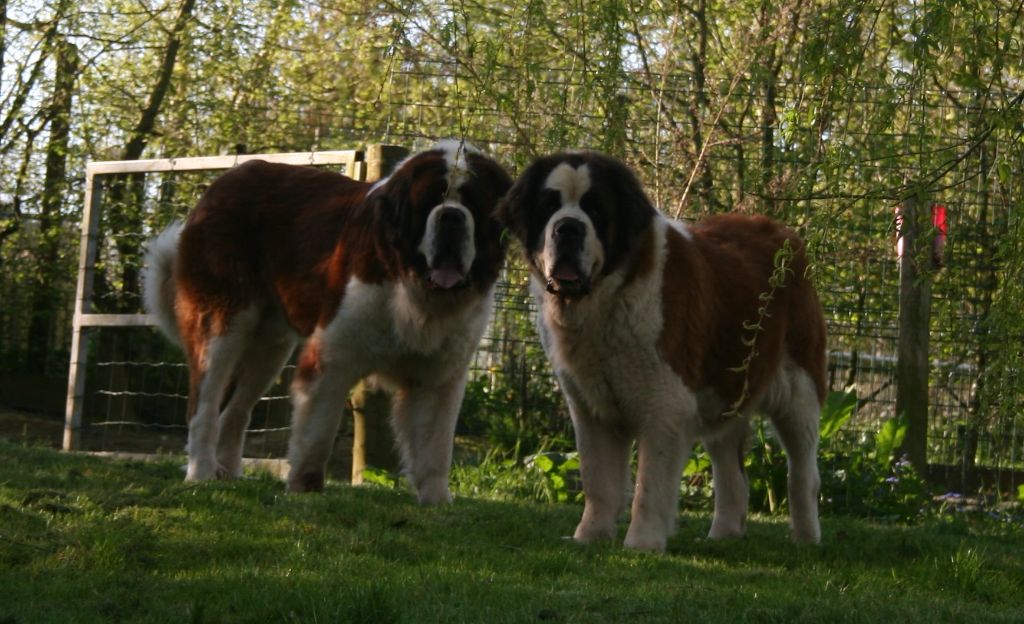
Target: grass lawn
(84,539)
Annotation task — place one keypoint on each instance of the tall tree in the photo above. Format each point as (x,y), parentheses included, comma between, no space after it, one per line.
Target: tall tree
(46,285)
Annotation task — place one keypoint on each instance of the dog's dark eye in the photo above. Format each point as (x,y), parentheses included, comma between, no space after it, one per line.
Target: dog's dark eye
(470,198)
(550,200)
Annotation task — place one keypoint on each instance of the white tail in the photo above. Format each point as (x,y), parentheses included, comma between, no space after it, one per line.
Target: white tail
(158,280)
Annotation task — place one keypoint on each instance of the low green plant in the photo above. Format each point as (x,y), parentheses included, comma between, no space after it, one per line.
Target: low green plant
(867,480)
(497,474)
(695,490)
(547,476)
(871,479)
(560,473)
(520,407)
(381,477)
(766,470)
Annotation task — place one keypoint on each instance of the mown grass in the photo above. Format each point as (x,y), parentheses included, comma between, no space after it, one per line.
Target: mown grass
(84,539)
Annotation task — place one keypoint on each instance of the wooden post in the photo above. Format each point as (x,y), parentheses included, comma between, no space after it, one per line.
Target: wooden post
(912,367)
(83,305)
(381,159)
(373,442)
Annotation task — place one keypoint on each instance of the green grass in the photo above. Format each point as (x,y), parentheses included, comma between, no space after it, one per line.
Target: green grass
(84,539)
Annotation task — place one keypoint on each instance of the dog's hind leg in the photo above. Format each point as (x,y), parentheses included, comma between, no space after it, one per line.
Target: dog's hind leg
(264,357)
(727,447)
(212,368)
(797,423)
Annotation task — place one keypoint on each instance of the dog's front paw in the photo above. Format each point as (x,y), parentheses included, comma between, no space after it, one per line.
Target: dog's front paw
(201,469)
(435,494)
(589,532)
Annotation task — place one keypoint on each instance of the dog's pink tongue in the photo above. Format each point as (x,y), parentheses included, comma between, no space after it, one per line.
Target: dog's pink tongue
(566,273)
(445,277)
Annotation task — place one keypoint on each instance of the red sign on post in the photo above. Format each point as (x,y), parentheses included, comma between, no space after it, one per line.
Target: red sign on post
(939,240)
(940,226)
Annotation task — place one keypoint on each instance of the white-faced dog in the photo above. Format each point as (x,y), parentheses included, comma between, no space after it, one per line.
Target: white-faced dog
(648,323)
(393,279)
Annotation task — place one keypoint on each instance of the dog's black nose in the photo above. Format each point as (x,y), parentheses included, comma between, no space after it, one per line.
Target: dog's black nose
(451,217)
(569,229)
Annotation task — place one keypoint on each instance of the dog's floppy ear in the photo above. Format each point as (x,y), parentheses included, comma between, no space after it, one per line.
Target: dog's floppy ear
(495,182)
(509,212)
(490,174)
(636,219)
(386,206)
(514,212)
(513,208)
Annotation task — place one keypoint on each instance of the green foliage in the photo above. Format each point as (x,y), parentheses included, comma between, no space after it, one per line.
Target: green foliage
(543,477)
(561,475)
(381,477)
(511,411)
(765,466)
(872,480)
(836,412)
(516,403)
(867,480)
(498,475)
(888,440)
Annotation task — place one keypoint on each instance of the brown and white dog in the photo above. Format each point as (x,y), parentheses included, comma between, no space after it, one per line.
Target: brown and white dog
(646,321)
(393,279)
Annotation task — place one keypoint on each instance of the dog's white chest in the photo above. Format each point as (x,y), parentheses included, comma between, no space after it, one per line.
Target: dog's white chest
(606,351)
(388,334)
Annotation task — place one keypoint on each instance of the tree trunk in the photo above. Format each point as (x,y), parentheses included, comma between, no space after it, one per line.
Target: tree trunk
(768,114)
(46,285)
(699,106)
(125,196)
(616,107)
